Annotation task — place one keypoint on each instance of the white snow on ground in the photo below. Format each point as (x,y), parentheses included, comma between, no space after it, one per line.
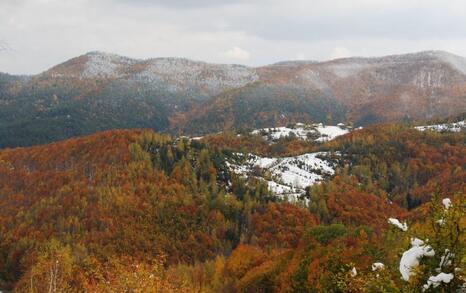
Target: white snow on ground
(397,223)
(277,188)
(317,132)
(451,127)
(102,64)
(411,257)
(330,132)
(288,176)
(378,266)
(435,281)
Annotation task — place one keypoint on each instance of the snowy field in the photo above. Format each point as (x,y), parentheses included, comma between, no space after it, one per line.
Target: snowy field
(288,176)
(317,132)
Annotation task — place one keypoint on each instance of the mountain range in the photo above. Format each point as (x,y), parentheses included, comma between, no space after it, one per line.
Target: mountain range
(99,91)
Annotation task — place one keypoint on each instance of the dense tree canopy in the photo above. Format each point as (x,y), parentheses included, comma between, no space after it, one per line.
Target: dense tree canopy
(136,211)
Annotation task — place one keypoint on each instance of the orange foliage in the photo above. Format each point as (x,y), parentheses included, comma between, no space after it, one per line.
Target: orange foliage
(351,206)
(280,225)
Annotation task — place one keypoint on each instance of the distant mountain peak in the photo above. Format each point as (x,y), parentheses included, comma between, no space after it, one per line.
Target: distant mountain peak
(186,96)
(102,64)
(456,61)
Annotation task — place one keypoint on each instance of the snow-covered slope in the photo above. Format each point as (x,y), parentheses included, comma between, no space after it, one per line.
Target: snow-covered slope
(451,127)
(106,65)
(288,176)
(317,132)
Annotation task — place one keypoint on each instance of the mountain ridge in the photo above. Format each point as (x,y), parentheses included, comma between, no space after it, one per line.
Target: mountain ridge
(99,91)
(426,53)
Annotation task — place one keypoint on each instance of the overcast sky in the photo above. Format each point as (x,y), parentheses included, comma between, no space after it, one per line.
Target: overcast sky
(37,34)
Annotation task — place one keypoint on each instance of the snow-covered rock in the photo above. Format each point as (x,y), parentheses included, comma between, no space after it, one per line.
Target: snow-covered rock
(287,176)
(398,224)
(412,256)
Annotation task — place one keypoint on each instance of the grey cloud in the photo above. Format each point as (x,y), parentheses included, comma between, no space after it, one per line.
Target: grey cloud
(184,4)
(43,33)
(302,20)
(315,20)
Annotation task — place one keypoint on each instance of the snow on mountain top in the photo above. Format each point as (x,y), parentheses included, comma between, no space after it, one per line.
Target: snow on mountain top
(103,64)
(175,74)
(451,127)
(100,64)
(213,77)
(457,62)
(317,132)
(289,176)
(345,67)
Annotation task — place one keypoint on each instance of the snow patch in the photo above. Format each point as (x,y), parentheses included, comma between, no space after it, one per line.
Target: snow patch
(178,74)
(378,266)
(446,203)
(100,64)
(398,224)
(288,176)
(411,257)
(446,127)
(317,132)
(435,281)
(330,132)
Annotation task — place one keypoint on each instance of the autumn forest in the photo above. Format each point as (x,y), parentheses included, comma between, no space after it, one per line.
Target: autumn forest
(138,211)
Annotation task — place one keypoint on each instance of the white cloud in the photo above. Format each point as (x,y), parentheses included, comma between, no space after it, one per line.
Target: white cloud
(340,52)
(236,53)
(301,56)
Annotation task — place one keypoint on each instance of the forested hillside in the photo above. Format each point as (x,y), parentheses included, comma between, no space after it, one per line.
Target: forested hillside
(101,91)
(138,211)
